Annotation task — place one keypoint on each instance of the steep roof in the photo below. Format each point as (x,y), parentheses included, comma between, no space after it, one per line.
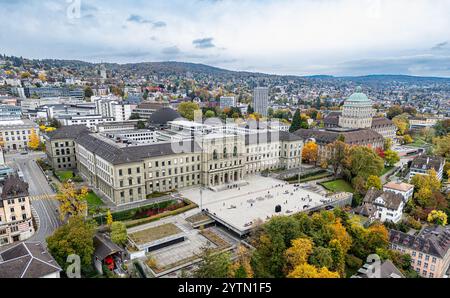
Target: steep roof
(353,137)
(117,156)
(381,122)
(425,162)
(164,115)
(433,240)
(27,260)
(67,132)
(14,187)
(104,247)
(391,199)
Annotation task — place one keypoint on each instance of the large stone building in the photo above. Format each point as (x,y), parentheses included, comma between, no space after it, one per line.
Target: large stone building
(216,161)
(358,113)
(15,212)
(429,250)
(60,146)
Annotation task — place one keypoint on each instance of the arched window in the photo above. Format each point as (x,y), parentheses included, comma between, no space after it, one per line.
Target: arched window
(215,155)
(235,151)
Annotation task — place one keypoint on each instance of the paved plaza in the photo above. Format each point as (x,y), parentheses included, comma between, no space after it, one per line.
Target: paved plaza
(239,208)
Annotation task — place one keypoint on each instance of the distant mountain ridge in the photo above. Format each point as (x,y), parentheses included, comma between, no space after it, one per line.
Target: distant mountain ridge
(178,68)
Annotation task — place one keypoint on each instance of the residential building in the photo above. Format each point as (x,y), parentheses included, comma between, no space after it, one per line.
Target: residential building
(60,146)
(15,134)
(16,222)
(404,189)
(382,206)
(429,250)
(53,92)
(261,100)
(424,163)
(28,260)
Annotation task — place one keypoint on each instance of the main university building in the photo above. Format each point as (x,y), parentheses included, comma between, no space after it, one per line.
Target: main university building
(177,154)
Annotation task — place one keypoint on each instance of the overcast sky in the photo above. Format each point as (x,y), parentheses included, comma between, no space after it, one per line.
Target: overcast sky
(303,37)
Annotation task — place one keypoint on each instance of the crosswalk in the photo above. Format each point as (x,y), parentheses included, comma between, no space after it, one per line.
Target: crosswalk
(43,197)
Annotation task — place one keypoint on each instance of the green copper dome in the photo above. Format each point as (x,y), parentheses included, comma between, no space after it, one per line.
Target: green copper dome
(358,96)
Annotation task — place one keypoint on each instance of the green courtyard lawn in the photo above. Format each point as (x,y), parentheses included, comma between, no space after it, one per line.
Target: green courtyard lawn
(63,176)
(418,142)
(93,199)
(338,186)
(385,170)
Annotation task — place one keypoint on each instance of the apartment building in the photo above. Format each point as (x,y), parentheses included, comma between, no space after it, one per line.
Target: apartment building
(429,250)
(404,189)
(15,211)
(422,164)
(15,134)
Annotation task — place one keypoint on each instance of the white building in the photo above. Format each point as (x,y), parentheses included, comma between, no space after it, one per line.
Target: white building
(112,106)
(227,102)
(261,100)
(15,135)
(91,121)
(404,189)
(382,206)
(422,164)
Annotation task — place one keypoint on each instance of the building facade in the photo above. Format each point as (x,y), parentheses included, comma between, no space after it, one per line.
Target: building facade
(15,135)
(261,100)
(16,222)
(429,250)
(357,111)
(422,164)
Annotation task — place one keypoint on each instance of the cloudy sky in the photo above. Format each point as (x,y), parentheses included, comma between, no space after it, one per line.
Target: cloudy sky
(303,37)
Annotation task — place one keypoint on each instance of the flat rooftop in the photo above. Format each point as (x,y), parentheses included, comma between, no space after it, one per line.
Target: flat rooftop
(240,208)
(156,233)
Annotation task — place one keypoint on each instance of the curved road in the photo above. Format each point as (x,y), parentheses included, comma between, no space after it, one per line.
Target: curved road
(42,196)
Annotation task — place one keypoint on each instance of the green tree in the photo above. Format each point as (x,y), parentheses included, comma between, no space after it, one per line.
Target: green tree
(75,237)
(119,233)
(214,265)
(140,124)
(394,111)
(443,146)
(364,162)
(373,181)
(321,257)
(338,153)
(210,114)
(187,109)
(88,93)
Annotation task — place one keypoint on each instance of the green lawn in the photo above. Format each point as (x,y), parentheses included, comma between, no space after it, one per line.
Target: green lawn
(385,170)
(93,200)
(338,185)
(63,176)
(418,142)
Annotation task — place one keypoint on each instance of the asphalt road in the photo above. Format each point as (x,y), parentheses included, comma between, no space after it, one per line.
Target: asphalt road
(42,196)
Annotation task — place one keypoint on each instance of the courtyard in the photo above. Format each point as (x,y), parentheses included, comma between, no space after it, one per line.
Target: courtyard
(240,208)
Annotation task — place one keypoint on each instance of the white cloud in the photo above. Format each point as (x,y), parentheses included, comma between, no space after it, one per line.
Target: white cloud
(276,36)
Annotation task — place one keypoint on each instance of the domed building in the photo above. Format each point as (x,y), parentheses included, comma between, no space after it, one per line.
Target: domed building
(162,116)
(357,111)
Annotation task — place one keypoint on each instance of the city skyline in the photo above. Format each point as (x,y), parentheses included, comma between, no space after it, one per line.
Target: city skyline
(282,37)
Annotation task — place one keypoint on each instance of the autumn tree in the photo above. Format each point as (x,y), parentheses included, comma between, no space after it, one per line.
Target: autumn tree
(309,271)
(394,111)
(187,109)
(373,181)
(33,142)
(88,93)
(109,218)
(241,267)
(119,233)
(437,217)
(407,139)
(391,157)
(75,237)
(310,152)
(402,124)
(364,162)
(299,252)
(339,151)
(442,146)
(72,200)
